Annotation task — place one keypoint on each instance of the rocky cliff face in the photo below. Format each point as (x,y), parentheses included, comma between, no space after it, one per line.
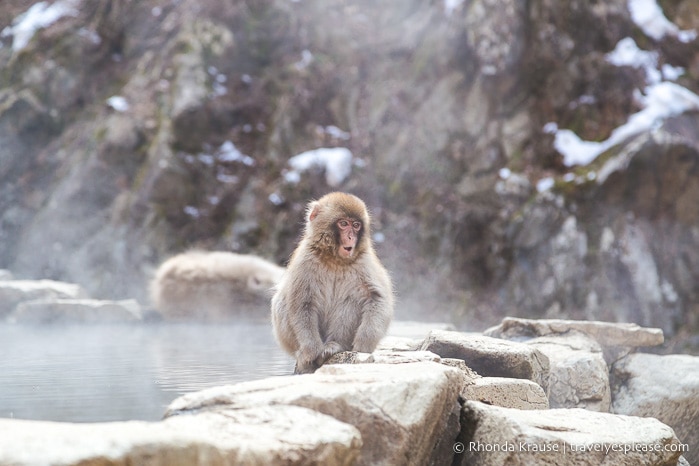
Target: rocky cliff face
(533,158)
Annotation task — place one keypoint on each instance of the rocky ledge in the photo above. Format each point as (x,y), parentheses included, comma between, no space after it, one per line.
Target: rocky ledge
(529,392)
(50,301)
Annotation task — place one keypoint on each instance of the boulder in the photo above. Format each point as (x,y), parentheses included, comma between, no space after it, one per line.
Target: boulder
(663,387)
(578,375)
(394,343)
(616,339)
(491,357)
(262,435)
(508,393)
(403,411)
(495,436)
(415,329)
(13,292)
(88,311)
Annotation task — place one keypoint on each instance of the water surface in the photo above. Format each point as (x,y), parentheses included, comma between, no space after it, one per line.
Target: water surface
(91,373)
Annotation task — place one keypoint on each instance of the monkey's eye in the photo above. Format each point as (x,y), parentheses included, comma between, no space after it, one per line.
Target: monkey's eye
(343,223)
(357,225)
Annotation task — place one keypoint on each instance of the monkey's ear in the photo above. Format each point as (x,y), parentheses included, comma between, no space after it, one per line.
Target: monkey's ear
(313,210)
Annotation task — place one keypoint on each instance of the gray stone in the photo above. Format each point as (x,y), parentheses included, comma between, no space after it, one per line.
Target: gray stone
(393,343)
(616,339)
(495,436)
(13,292)
(87,311)
(401,410)
(578,375)
(491,357)
(663,387)
(508,393)
(263,435)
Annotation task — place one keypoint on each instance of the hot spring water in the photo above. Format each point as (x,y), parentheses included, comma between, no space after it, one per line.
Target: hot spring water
(92,373)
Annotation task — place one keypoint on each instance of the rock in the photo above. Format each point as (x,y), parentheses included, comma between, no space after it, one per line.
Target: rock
(663,387)
(87,311)
(616,339)
(402,357)
(491,357)
(508,393)
(262,435)
(461,365)
(578,374)
(414,329)
(13,292)
(392,343)
(496,436)
(401,410)
(382,357)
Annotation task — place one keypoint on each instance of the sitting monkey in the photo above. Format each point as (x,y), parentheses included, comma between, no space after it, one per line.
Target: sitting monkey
(335,295)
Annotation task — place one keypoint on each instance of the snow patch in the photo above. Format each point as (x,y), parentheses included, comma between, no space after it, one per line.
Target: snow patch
(276,198)
(336,161)
(451,5)
(229,153)
(544,184)
(648,16)
(662,100)
(38,16)
(118,103)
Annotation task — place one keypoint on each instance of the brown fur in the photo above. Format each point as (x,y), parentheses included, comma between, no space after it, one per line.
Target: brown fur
(326,303)
(212,286)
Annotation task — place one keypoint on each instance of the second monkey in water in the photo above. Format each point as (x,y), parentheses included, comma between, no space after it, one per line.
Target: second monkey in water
(335,295)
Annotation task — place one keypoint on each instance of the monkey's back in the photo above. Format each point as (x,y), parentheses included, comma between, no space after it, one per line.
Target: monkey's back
(211,286)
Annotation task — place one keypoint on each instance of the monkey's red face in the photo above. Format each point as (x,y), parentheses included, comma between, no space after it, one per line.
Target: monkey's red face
(349,233)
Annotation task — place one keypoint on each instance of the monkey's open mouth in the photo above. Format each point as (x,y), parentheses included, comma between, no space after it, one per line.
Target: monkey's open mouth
(348,250)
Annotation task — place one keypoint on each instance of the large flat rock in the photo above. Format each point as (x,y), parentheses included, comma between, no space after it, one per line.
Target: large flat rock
(288,435)
(87,311)
(495,436)
(663,387)
(616,339)
(403,411)
(13,292)
(491,357)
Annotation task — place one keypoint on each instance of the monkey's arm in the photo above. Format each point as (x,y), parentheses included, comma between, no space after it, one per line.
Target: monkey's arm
(307,330)
(376,317)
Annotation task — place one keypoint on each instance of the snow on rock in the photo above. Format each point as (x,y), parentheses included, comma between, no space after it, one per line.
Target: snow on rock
(648,15)
(545,184)
(118,103)
(662,100)
(451,5)
(229,153)
(336,161)
(38,16)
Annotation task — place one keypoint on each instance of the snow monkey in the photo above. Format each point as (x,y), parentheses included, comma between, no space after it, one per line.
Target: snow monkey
(335,295)
(213,286)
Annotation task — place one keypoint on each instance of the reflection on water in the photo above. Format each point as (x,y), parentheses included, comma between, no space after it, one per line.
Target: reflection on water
(108,373)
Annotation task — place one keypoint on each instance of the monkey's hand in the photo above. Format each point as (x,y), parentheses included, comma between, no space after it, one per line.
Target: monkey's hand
(307,357)
(330,348)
